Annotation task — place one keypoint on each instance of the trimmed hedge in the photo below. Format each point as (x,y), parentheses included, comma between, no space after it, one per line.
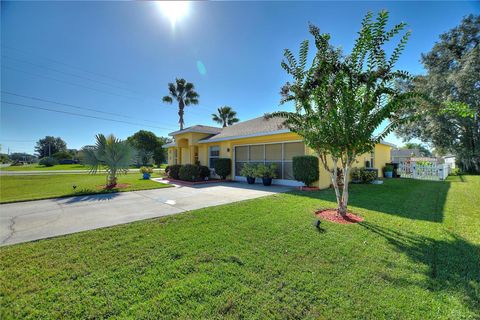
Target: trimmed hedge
(189,172)
(173,171)
(362,175)
(305,169)
(48,161)
(223,167)
(204,172)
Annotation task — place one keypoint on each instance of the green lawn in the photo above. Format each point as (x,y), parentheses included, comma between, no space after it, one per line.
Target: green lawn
(33,187)
(416,256)
(37,167)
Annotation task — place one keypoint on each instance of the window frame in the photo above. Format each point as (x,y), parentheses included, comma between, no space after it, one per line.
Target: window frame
(210,157)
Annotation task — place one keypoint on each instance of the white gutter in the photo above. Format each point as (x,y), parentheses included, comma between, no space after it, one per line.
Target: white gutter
(259,134)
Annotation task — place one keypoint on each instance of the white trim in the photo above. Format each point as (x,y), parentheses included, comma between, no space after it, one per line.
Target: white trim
(259,134)
(388,144)
(169,145)
(256,144)
(174,133)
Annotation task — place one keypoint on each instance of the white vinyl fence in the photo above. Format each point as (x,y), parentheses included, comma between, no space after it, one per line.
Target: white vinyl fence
(423,170)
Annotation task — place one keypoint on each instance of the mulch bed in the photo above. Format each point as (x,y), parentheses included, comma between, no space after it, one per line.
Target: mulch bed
(308,188)
(117,186)
(332,216)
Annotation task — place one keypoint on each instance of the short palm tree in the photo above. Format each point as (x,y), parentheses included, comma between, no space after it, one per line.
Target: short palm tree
(184,93)
(225,116)
(111,152)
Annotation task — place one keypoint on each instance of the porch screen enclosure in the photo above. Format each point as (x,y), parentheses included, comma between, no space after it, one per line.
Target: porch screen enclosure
(280,154)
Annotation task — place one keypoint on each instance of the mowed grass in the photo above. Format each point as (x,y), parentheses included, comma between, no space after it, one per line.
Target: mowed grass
(37,167)
(34,187)
(416,256)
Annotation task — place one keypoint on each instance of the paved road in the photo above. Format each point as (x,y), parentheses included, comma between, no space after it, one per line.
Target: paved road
(49,172)
(33,220)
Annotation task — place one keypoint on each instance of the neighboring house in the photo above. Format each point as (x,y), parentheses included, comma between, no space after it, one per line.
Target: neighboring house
(449,160)
(255,141)
(404,155)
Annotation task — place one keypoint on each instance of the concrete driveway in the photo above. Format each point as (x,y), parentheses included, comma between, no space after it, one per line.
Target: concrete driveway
(33,220)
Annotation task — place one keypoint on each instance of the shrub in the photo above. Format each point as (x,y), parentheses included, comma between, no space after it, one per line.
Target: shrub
(248,170)
(173,171)
(61,155)
(388,168)
(189,172)
(305,169)
(48,161)
(266,171)
(223,167)
(362,175)
(146,170)
(204,172)
(455,172)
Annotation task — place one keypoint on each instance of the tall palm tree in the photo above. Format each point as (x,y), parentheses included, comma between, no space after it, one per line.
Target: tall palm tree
(225,116)
(111,152)
(184,93)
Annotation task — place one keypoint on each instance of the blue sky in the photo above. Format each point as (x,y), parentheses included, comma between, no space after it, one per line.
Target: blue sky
(117,57)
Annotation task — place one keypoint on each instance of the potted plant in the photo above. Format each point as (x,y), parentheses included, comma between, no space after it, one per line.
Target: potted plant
(388,171)
(249,171)
(147,171)
(267,172)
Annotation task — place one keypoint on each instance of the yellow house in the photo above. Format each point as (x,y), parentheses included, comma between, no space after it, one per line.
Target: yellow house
(255,141)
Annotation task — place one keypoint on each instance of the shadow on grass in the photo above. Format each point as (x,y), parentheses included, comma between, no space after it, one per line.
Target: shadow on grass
(408,198)
(453,262)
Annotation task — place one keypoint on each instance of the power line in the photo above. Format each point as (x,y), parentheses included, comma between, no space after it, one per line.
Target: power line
(80,115)
(77,107)
(67,73)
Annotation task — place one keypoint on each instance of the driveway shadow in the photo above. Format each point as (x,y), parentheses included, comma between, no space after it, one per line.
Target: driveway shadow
(453,262)
(408,198)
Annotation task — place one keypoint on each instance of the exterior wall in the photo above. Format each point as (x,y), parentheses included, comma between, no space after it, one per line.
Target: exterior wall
(381,157)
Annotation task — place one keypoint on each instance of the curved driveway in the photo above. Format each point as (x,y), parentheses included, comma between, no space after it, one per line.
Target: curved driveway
(33,220)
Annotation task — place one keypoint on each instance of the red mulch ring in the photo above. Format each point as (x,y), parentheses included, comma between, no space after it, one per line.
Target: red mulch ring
(308,188)
(117,186)
(332,216)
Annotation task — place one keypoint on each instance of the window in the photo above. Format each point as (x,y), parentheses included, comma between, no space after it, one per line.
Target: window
(174,156)
(280,154)
(213,155)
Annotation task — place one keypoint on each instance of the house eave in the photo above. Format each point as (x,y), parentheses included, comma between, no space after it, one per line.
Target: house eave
(259,134)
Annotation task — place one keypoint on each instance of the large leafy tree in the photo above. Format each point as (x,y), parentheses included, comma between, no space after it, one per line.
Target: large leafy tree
(450,118)
(184,93)
(225,116)
(341,100)
(116,155)
(423,149)
(148,147)
(49,145)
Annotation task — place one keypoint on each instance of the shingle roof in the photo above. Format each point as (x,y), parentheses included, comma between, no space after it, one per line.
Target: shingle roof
(257,126)
(405,153)
(197,128)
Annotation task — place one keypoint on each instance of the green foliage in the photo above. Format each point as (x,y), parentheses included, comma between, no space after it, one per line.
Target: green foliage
(204,172)
(189,172)
(362,175)
(225,116)
(50,145)
(448,120)
(109,152)
(388,168)
(62,155)
(4,158)
(340,100)
(306,169)
(173,171)
(266,171)
(184,93)
(223,167)
(455,172)
(148,170)
(424,151)
(249,170)
(48,161)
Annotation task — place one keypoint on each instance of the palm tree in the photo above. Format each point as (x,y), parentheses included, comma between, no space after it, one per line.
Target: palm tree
(184,93)
(225,116)
(111,152)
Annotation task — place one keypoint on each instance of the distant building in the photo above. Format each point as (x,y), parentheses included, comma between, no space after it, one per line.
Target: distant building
(449,159)
(403,155)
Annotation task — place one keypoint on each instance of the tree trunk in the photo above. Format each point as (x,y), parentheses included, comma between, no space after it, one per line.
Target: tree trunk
(181,107)
(343,208)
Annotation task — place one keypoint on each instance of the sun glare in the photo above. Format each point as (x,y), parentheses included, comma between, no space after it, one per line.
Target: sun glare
(174,10)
